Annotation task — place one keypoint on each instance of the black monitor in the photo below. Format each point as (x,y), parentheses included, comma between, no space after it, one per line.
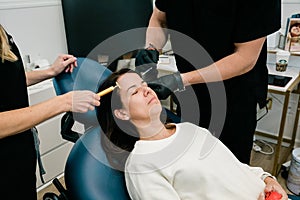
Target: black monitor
(90,22)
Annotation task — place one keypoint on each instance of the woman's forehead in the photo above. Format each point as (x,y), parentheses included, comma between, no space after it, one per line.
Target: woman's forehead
(129,79)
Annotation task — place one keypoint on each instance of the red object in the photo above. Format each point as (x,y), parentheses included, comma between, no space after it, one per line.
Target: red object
(273,196)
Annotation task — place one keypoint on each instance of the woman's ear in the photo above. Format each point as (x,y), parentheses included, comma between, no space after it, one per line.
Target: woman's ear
(121,114)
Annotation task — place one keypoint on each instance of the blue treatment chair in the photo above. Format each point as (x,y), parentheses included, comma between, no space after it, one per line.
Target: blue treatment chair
(88,176)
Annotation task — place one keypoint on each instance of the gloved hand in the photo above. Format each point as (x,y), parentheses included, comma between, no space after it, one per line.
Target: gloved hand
(166,85)
(146,64)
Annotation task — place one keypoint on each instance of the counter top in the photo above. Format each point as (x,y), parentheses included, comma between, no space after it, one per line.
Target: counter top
(292,72)
(39,87)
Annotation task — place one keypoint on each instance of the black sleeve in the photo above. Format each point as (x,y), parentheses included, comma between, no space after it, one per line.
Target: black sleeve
(256,18)
(161,5)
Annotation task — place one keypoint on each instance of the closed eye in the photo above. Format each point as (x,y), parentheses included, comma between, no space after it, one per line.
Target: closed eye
(134,92)
(135,88)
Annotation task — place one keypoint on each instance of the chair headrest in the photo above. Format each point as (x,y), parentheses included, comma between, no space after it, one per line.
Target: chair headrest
(88,75)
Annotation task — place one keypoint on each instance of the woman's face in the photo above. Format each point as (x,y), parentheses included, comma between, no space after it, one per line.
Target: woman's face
(139,101)
(295,30)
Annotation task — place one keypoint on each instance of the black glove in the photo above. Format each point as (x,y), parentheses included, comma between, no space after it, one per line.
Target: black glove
(166,85)
(146,64)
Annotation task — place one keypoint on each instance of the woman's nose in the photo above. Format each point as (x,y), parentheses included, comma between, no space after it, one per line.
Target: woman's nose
(145,90)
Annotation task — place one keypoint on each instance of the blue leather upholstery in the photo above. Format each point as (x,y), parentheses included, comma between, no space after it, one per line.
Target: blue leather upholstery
(88,75)
(87,172)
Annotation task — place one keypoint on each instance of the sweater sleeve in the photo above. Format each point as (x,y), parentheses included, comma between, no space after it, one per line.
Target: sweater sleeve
(259,172)
(152,185)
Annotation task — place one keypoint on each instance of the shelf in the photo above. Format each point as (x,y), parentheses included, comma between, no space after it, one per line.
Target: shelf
(274,51)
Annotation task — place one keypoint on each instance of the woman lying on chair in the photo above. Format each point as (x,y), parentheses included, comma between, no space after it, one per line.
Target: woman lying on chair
(170,161)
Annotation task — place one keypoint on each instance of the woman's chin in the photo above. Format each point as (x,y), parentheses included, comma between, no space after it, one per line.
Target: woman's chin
(155,110)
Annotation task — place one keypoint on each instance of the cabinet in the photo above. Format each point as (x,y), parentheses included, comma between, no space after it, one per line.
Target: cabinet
(54,150)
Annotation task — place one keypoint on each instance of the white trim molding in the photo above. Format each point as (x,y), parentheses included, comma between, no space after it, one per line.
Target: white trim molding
(290,1)
(15,4)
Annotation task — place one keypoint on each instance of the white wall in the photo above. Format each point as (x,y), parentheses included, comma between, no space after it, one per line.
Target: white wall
(289,7)
(36,26)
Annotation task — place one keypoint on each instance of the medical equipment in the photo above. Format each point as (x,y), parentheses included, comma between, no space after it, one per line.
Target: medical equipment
(108,90)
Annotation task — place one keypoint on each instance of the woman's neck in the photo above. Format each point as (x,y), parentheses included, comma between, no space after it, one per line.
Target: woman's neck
(155,131)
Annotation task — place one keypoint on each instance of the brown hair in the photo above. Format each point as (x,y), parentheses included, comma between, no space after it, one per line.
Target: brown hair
(5,51)
(118,137)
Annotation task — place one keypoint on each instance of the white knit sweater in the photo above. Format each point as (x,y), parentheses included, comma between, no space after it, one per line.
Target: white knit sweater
(191,164)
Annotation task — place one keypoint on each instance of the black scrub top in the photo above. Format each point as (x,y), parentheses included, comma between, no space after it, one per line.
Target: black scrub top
(17,152)
(217,25)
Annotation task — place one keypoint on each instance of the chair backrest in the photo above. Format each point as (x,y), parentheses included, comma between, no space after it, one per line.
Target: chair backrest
(88,176)
(88,75)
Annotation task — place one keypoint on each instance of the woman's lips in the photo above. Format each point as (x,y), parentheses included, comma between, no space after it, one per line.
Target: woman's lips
(151,100)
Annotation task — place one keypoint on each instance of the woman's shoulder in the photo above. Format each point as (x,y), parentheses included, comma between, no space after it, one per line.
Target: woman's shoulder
(191,126)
